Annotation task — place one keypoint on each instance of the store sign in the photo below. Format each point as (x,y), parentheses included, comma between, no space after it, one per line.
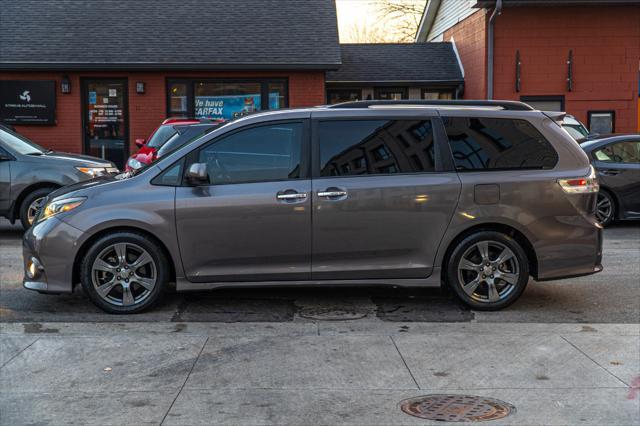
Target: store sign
(27,101)
(229,107)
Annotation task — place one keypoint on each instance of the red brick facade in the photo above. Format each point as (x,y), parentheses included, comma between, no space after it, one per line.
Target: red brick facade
(470,37)
(146,110)
(606,57)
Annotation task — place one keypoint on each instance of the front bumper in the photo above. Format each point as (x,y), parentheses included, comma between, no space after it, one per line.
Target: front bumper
(54,245)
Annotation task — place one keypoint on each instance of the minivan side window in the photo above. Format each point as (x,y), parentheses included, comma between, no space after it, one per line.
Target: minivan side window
(362,147)
(497,144)
(258,154)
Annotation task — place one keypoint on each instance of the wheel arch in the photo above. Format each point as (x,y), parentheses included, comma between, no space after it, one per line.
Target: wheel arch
(512,232)
(101,233)
(15,213)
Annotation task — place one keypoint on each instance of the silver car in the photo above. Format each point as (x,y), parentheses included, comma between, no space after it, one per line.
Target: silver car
(29,172)
(477,196)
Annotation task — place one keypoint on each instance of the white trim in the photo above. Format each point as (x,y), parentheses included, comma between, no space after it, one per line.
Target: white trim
(455,50)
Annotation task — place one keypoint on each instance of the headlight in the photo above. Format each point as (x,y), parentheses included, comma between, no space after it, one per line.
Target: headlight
(60,206)
(134,164)
(93,171)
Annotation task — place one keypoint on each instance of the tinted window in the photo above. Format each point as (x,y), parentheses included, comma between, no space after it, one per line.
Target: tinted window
(498,143)
(621,152)
(358,147)
(266,153)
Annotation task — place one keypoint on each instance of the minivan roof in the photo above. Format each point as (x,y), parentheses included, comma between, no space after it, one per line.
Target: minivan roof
(458,103)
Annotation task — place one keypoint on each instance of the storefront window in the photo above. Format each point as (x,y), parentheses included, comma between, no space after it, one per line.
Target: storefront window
(336,96)
(429,95)
(224,99)
(178,106)
(391,93)
(277,95)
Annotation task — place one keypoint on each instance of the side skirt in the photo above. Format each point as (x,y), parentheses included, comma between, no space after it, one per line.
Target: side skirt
(182,284)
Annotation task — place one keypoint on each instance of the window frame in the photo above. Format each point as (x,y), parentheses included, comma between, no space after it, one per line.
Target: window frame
(193,156)
(611,144)
(442,152)
(610,111)
(546,98)
(191,83)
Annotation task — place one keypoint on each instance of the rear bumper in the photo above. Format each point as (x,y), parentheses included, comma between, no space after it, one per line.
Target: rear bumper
(579,255)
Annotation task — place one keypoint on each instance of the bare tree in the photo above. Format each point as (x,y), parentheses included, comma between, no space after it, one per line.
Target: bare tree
(400,17)
(362,33)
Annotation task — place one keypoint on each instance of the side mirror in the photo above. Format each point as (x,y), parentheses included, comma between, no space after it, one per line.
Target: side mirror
(197,174)
(140,142)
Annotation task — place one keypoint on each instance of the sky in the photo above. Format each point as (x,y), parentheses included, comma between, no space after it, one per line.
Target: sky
(362,21)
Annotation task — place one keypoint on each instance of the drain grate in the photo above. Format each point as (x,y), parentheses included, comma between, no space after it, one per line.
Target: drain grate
(456,408)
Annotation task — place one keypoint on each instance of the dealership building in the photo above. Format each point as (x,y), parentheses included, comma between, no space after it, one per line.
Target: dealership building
(93,76)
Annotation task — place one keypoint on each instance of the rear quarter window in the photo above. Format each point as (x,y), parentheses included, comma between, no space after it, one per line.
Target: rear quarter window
(497,144)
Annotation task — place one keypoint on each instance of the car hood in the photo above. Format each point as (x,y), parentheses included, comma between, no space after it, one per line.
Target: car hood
(76,159)
(79,186)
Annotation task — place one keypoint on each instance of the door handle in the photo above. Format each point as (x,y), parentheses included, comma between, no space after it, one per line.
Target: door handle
(610,172)
(292,196)
(333,193)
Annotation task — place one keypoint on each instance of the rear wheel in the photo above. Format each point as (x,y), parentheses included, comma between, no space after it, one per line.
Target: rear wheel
(605,208)
(31,205)
(124,273)
(488,270)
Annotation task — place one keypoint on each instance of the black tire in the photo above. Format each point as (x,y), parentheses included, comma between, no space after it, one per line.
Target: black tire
(496,243)
(605,197)
(136,240)
(23,211)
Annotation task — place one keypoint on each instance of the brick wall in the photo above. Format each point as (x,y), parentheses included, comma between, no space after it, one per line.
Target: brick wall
(146,110)
(471,41)
(606,55)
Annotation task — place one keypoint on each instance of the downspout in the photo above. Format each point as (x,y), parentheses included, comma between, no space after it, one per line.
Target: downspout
(497,11)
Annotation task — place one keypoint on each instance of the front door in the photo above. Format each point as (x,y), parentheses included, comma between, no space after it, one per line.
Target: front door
(618,166)
(105,119)
(380,208)
(252,221)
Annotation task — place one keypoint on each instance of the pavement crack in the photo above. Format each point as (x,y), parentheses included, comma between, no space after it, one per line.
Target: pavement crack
(185,381)
(595,362)
(16,355)
(404,361)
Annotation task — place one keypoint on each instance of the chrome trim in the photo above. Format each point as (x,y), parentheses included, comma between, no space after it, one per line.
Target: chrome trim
(295,196)
(332,193)
(35,285)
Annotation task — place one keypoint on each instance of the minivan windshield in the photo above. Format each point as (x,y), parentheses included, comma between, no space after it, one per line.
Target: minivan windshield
(20,144)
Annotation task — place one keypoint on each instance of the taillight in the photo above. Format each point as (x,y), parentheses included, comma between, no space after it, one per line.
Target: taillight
(581,185)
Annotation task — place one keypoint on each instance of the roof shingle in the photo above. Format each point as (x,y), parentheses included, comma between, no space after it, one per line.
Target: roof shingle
(221,34)
(374,63)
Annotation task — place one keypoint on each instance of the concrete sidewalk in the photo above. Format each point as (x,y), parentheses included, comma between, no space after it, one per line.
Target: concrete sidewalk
(325,372)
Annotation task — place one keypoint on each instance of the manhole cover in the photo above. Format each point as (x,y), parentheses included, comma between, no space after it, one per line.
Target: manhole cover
(333,312)
(456,408)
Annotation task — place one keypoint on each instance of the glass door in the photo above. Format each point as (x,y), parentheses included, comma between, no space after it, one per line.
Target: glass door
(105,119)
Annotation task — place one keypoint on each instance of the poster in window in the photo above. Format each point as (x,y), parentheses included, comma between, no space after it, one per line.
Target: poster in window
(230,107)
(28,101)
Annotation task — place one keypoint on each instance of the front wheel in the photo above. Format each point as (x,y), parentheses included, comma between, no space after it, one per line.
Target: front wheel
(31,205)
(124,273)
(488,270)
(605,208)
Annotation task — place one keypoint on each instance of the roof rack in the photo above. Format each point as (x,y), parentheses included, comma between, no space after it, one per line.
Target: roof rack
(506,105)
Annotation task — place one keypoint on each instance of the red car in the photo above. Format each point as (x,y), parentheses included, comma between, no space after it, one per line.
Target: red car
(148,151)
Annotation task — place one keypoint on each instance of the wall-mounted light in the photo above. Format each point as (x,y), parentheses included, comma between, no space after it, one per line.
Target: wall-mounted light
(65,85)
(140,87)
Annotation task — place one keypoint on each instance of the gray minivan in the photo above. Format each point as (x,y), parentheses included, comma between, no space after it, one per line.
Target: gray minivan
(29,172)
(478,196)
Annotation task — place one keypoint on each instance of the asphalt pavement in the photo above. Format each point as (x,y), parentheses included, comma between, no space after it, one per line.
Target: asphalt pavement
(567,353)
(612,296)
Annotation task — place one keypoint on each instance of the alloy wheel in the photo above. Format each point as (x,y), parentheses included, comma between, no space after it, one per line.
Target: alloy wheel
(124,274)
(604,208)
(488,271)
(34,209)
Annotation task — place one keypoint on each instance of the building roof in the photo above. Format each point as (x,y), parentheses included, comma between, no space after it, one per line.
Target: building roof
(168,34)
(491,3)
(397,63)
